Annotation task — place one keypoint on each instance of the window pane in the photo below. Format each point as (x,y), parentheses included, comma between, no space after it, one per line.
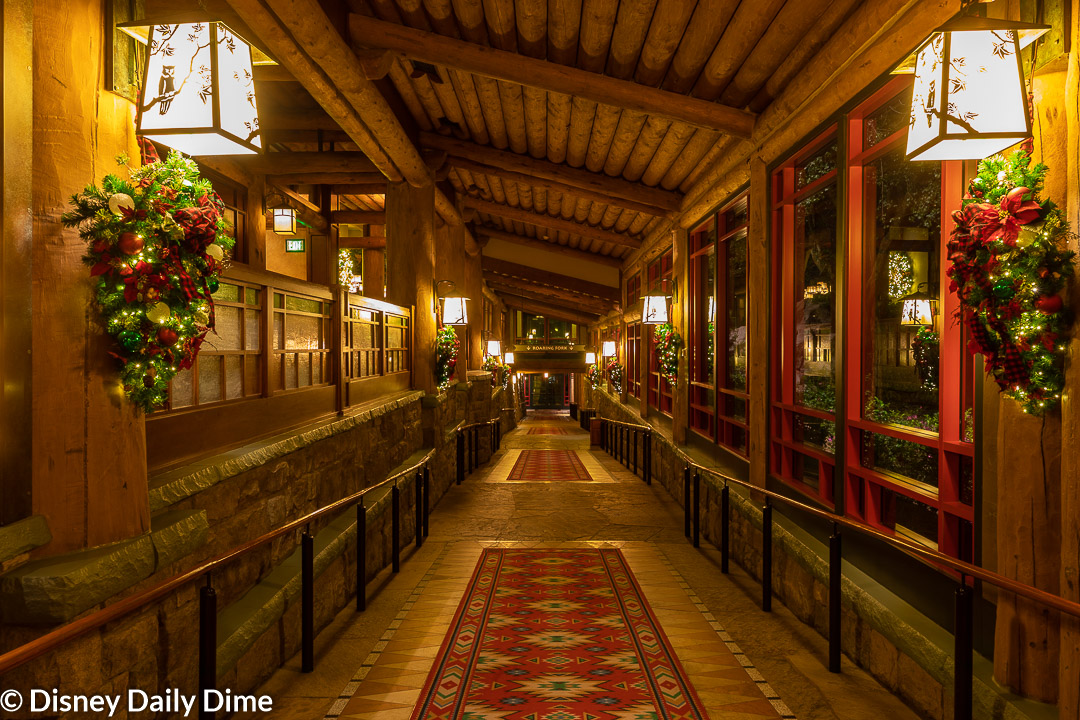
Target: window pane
(815,300)
(303,331)
(209,378)
(816,432)
(903,204)
(560,331)
(903,458)
(816,166)
(887,119)
(226,335)
(735,286)
(703,355)
(303,304)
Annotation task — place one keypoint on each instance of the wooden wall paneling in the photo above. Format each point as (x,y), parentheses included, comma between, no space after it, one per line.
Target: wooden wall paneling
(757,318)
(255,237)
(16,251)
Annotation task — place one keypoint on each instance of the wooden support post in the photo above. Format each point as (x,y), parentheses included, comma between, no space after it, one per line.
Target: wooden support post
(680,316)
(255,234)
(374,273)
(757,319)
(410,232)
(474,279)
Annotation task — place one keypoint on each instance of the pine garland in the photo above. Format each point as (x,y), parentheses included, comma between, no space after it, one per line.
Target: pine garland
(446,352)
(1009,264)
(668,345)
(594,376)
(155,246)
(614,372)
(500,372)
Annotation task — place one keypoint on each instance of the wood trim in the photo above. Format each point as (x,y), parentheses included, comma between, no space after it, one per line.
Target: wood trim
(552,77)
(542,294)
(550,222)
(545,277)
(531,306)
(245,273)
(357,217)
(549,246)
(362,243)
(281,163)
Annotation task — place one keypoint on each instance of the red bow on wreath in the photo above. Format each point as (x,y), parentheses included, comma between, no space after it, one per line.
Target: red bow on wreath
(1003,222)
(199,224)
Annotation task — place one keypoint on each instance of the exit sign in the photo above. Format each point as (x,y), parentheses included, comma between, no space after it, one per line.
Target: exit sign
(294,245)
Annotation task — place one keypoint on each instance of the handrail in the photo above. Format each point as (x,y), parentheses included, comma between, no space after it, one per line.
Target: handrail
(636,426)
(65,633)
(480,424)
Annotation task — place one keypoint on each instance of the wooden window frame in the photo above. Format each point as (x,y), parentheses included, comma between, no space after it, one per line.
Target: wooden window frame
(659,391)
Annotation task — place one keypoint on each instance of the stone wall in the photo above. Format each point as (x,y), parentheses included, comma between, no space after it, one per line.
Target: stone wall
(244,495)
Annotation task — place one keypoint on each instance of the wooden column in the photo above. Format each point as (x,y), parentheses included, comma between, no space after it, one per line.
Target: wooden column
(1069,666)
(374,273)
(16,235)
(89,444)
(757,320)
(624,355)
(450,266)
(410,248)
(680,316)
(255,237)
(474,291)
(643,353)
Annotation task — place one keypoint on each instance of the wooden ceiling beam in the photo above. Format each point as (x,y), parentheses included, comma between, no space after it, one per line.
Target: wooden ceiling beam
(553,77)
(632,195)
(542,293)
(513,302)
(543,220)
(361,243)
(325,178)
(306,211)
(357,217)
(283,163)
(548,246)
(359,189)
(306,137)
(546,277)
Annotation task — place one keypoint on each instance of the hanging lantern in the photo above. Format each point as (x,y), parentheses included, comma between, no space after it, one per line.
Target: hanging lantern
(284,221)
(918,308)
(969,99)
(454,311)
(509,359)
(494,348)
(199,91)
(590,358)
(609,348)
(655,311)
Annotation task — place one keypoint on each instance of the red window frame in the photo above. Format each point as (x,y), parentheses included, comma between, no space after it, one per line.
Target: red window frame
(702,380)
(633,290)
(632,374)
(660,396)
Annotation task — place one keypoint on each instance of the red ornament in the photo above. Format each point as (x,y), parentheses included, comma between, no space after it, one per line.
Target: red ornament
(1049,304)
(167,336)
(129,243)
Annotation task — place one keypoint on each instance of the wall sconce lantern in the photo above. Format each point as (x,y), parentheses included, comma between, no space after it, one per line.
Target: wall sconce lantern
(590,358)
(454,310)
(655,310)
(509,359)
(494,348)
(284,220)
(918,308)
(969,99)
(609,348)
(199,91)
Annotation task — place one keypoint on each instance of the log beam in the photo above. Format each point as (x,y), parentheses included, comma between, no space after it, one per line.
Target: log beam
(326,178)
(545,277)
(357,217)
(359,189)
(540,293)
(362,243)
(306,211)
(633,196)
(551,247)
(544,220)
(281,163)
(552,77)
(538,308)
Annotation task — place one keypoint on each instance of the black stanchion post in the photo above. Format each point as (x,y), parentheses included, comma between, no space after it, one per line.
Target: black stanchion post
(636,433)
(361,557)
(307,602)
(725,527)
(460,457)
(835,573)
(648,457)
(475,449)
(697,509)
(962,662)
(207,646)
(395,526)
(766,556)
(427,499)
(686,501)
(418,498)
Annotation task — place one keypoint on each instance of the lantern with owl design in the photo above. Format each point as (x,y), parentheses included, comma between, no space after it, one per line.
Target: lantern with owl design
(199,92)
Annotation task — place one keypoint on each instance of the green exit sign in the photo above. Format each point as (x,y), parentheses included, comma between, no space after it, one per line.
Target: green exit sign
(294,245)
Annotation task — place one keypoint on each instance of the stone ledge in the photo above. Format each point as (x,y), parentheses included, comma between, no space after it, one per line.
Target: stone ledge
(176,485)
(23,536)
(56,589)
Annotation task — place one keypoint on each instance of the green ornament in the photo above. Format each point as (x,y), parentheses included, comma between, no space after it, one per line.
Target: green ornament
(1004,289)
(212,284)
(130,339)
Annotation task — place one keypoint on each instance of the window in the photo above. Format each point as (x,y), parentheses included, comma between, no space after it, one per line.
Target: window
(633,290)
(301,330)
(234,197)
(659,389)
(633,360)
(702,334)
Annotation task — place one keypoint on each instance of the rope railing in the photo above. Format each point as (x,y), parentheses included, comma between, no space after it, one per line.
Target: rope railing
(614,438)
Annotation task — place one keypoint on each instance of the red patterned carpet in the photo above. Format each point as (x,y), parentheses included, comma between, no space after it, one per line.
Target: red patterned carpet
(548,431)
(543,465)
(556,635)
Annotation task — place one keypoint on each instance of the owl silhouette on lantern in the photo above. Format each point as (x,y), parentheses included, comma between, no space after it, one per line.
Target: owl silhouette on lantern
(166,88)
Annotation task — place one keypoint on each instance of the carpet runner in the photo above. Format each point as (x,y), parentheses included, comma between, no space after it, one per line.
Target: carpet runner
(548,431)
(547,465)
(556,635)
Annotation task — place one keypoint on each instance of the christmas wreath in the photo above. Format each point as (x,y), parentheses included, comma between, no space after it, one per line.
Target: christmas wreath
(668,345)
(925,347)
(500,373)
(155,246)
(1009,264)
(446,350)
(614,373)
(594,376)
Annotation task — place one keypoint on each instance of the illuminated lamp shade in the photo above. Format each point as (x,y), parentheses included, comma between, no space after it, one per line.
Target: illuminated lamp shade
(509,359)
(494,347)
(969,99)
(590,358)
(454,312)
(609,348)
(918,309)
(285,221)
(654,311)
(199,91)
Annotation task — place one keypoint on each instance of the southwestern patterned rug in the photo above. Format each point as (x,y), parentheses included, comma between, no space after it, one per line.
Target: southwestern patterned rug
(548,431)
(556,635)
(546,465)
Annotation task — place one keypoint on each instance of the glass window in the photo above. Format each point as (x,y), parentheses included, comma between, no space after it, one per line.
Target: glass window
(660,397)
(702,336)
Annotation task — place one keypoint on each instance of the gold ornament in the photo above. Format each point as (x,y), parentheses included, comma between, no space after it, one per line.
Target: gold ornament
(1026,237)
(120,200)
(159,313)
(215,251)
(202,317)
